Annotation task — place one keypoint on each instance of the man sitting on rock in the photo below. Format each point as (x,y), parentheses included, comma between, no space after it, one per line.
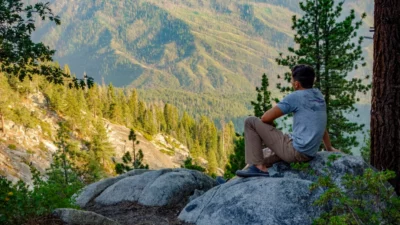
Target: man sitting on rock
(309,127)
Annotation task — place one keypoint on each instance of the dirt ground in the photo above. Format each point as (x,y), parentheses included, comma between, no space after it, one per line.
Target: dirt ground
(45,220)
(129,213)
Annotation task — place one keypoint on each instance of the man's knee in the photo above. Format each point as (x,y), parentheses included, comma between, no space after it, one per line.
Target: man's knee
(250,121)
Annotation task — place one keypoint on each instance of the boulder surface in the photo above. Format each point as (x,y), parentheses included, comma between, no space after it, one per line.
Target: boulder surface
(284,198)
(164,187)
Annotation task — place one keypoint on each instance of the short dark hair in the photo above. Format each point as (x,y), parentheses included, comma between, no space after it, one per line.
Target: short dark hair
(304,74)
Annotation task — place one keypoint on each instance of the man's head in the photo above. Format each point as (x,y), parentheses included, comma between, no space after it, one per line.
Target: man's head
(303,77)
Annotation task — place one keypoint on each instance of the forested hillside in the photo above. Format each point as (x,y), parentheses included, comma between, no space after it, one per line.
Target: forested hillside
(91,117)
(182,49)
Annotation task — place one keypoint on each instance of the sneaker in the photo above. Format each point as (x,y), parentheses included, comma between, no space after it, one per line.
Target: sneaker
(252,171)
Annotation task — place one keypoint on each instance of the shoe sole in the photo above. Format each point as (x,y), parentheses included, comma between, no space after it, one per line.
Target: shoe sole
(247,174)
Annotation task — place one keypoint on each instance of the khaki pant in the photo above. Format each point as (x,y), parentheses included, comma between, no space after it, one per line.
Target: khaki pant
(257,132)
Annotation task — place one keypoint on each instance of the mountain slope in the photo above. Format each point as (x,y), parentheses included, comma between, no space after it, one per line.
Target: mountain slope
(200,46)
(184,48)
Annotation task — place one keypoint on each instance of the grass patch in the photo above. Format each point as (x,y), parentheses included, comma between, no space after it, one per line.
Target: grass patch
(30,151)
(46,129)
(167,152)
(12,147)
(148,137)
(42,147)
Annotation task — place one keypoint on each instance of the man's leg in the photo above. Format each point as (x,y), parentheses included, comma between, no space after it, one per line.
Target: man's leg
(256,133)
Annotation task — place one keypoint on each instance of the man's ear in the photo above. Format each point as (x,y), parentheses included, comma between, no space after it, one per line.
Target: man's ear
(297,84)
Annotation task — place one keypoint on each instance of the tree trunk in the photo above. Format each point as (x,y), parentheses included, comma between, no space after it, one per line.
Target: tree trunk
(385,112)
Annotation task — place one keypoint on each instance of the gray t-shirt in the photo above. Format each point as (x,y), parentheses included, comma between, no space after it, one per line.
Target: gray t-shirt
(309,120)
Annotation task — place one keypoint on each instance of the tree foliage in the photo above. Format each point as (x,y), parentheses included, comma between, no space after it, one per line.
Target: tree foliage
(332,46)
(263,102)
(364,199)
(127,162)
(19,55)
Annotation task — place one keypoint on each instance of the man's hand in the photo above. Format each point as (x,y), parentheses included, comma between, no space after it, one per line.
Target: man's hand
(332,149)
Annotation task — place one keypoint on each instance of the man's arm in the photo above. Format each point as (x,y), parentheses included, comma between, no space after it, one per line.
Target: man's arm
(272,114)
(327,143)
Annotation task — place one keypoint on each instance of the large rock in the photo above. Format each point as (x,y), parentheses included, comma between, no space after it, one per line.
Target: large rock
(275,200)
(152,188)
(93,190)
(79,217)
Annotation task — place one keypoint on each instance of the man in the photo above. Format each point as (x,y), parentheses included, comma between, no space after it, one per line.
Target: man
(309,127)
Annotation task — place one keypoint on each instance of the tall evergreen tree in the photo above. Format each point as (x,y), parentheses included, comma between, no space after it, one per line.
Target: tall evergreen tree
(236,159)
(385,121)
(171,118)
(100,145)
(212,163)
(133,106)
(137,162)
(263,102)
(62,142)
(94,102)
(132,137)
(327,43)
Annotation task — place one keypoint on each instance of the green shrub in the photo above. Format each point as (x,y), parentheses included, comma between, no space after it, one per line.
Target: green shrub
(46,129)
(19,204)
(188,164)
(127,160)
(12,147)
(168,152)
(368,199)
(148,137)
(42,147)
(30,151)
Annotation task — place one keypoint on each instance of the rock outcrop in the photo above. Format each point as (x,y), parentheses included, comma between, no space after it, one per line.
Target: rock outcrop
(150,188)
(283,199)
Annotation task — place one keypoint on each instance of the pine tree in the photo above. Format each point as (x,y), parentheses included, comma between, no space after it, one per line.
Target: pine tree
(100,145)
(171,118)
(133,106)
(62,142)
(212,163)
(66,69)
(327,43)
(263,102)
(137,162)
(94,101)
(132,137)
(237,159)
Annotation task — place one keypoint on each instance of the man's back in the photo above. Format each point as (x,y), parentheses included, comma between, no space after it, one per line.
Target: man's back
(309,121)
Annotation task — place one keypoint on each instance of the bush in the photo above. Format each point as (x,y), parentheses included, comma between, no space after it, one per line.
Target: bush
(367,199)
(188,164)
(19,203)
(12,147)
(168,152)
(148,137)
(127,160)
